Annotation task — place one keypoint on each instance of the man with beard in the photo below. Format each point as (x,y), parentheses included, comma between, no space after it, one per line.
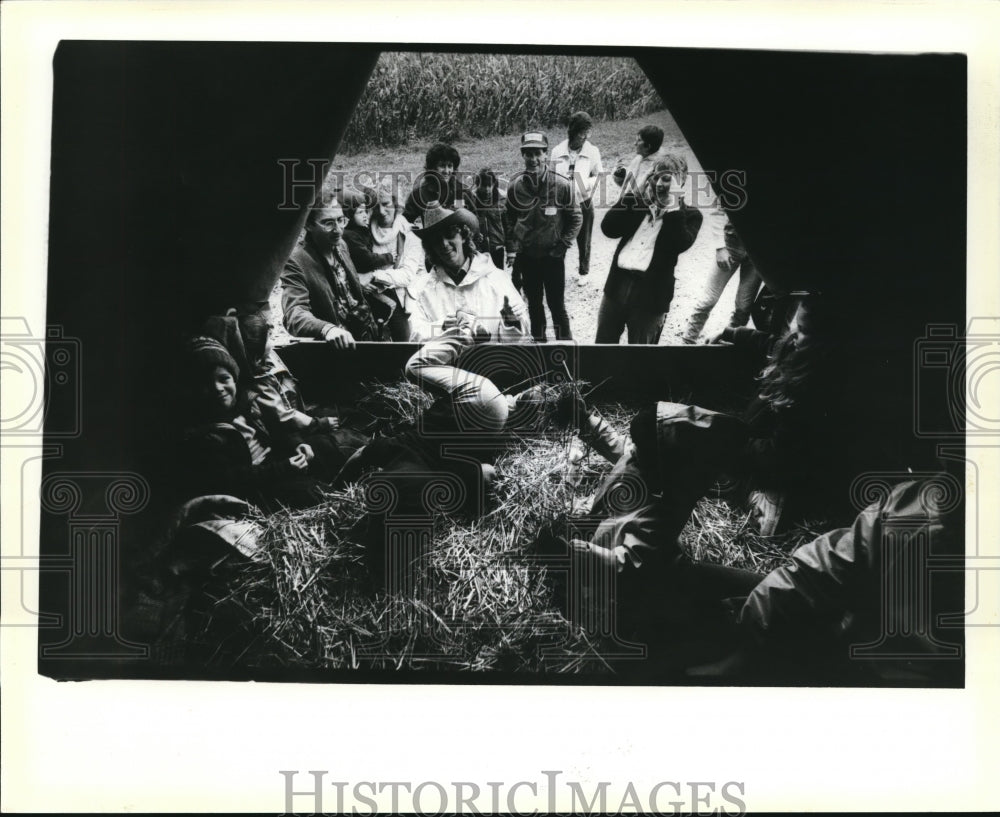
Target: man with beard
(545,218)
(321,296)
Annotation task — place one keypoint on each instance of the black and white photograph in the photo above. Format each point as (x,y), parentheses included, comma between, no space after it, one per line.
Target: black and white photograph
(409,362)
(536,365)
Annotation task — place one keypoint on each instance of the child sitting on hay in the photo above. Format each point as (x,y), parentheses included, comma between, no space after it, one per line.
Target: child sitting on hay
(273,390)
(249,437)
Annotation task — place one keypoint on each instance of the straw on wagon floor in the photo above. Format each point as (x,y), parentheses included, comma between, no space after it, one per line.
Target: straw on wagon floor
(479,599)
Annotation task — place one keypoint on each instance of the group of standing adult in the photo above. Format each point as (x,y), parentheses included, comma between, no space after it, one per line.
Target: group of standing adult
(371,268)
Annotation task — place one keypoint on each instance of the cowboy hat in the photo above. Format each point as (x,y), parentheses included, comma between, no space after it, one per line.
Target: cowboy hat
(438,218)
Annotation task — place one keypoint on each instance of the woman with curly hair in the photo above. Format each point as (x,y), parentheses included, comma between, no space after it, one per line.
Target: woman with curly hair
(438,184)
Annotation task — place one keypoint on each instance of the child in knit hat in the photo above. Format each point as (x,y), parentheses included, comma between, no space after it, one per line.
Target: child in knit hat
(273,391)
(229,450)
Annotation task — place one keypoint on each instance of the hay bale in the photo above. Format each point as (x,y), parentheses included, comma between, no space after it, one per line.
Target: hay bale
(479,600)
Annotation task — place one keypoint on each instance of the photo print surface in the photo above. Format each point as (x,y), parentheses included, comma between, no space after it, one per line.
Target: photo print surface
(398,363)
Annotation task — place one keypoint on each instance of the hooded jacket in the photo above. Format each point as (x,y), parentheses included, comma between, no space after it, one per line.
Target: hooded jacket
(481,293)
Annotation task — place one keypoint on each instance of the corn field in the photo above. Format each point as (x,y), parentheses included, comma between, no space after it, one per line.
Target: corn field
(451,96)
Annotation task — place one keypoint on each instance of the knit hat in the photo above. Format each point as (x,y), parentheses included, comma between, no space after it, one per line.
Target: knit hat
(207,353)
(438,218)
(226,330)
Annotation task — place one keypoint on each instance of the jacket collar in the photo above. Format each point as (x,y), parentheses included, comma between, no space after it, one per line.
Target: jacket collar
(318,255)
(481,266)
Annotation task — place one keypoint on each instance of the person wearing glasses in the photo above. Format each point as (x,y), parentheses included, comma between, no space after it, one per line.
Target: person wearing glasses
(321,296)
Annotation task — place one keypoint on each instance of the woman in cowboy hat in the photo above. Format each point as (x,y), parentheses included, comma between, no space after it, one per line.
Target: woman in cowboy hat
(464,285)
(466,300)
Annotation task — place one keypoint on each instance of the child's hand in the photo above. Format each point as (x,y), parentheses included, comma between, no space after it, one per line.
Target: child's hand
(306,451)
(329,423)
(298,462)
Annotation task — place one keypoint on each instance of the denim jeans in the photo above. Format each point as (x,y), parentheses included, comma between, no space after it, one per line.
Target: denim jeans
(714,287)
(545,275)
(613,317)
(476,402)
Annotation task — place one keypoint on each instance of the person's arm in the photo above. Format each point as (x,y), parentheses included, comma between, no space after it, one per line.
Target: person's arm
(296,306)
(597,167)
(422,325)
(623,217)
(408,265)
(821,585)
(362,257)
(753,342)
(682,226)
(640,539)
(513,326)
(218,462)
(282,419)
(572,220)
(513,216)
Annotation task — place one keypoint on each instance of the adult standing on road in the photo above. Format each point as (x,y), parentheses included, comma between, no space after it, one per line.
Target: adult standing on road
(544,219)
(438,184)
(730,256)
(654,229)
(579,160)
(648,151)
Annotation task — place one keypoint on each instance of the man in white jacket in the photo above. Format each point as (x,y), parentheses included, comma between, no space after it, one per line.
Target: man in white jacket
(578,159)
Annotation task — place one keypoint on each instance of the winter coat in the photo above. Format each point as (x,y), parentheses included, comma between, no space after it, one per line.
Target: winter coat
(481,293)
